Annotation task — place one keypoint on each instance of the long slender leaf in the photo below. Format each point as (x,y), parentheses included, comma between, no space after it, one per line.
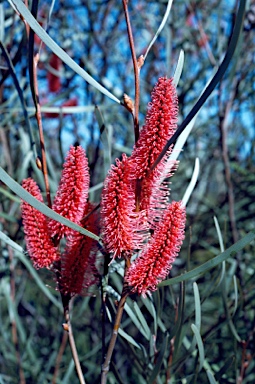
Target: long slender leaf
(162,24)
(196,272)
(192,183)
(23,194)
(179,68)
(159,362)
(142,320)
(22,9)
(197,306)
(199,345)
(211,377)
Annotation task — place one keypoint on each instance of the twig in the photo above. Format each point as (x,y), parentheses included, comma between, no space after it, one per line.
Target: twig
(34,88)
(59,356)
(68,327)
(106,365)
(40,127)
(136,70)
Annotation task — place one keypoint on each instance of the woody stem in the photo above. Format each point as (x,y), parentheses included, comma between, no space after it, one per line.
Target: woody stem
(136,70)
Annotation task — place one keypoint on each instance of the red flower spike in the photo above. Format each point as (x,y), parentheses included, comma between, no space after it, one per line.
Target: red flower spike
(72,194)
(39,244)
(123,229)
(155,261)
(160,125)
(78,268)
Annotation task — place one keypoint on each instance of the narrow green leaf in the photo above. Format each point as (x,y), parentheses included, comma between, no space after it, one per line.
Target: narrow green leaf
(199,345)
(135,320)
(23,194)
(176,331)
(219,233)
(159,362)
(192,183)
(22,9)
(142,320)
(211,377)
(197,272)
(162,24)
(197,306)
(236,295)
(13,314)
(179,68)
(128,338)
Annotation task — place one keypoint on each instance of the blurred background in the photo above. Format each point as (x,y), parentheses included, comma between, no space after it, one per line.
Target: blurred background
(94,35)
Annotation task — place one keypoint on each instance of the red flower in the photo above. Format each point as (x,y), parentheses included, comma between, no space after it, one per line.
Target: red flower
(120,231)
(78,268)
(39,244)
(156,259)
(160,125)
(72,193)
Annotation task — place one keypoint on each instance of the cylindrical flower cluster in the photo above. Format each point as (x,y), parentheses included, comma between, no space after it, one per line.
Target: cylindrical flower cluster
(156,259)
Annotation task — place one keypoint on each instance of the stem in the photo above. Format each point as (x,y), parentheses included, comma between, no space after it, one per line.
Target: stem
(59,357)
(136,70)
(72,344)
(106,365)
(41,135)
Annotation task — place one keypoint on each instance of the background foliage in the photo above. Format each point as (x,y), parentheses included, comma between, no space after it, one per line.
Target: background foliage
(201,330)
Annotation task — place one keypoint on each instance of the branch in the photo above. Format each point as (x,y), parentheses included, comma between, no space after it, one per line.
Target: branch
(136,70)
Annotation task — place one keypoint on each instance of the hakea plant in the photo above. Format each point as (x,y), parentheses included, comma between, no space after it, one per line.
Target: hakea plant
(136,217)
(136,220)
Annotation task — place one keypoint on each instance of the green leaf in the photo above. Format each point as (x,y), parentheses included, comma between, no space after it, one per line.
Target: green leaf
(22,9)
(128,338)
(197,306)
(179,68)
(162,24)
(199,345)
(211,377)
(23,194)
(159,362)
(142,320)
(197,272)
(192,183)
